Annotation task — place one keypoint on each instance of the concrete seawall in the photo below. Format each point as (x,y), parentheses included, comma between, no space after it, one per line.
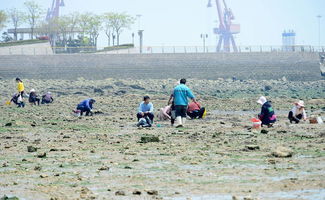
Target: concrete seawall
(257,66)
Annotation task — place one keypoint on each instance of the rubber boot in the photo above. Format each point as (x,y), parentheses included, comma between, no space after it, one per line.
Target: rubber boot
(179,123)
(183,120)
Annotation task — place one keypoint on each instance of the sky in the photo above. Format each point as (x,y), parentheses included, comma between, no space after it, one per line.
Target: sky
(181,22)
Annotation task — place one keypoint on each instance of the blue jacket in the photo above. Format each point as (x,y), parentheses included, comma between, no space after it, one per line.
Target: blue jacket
(85,105)
(145,107)
(181,95)
(267,115)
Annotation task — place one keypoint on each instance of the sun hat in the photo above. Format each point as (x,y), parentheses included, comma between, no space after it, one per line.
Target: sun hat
(300,103)
(262,100)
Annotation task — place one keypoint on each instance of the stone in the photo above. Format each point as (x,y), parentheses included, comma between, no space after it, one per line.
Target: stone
(282,152)
(103,168)
(147,139)
(8,124)
(264,131)
(268,88)
(137,87)
(98,90)
(9,198)
(31,149)
(44,176)
(152,192)
(252,147)
(41,155)
(136,192)
(120,193)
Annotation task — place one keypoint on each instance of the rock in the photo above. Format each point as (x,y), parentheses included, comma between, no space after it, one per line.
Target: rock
(38,168)
(43,176)
(152,192)
(31,149)
(98,90)
(147,139)
(120,193)
(103,168)
(284,79)
(267,88)
(41,155)
(136,192)
(127,167)
(120,92)
(9,198)
(282,152)
(252,147)
(137,87)
(264,131)
(8,124)
(5,164)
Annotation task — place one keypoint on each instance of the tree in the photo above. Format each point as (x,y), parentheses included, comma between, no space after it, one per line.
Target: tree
(108,28)
(3,19)
(73,20)
(84,23)
(119,22)
(34,13)
(16,18)
(95,27)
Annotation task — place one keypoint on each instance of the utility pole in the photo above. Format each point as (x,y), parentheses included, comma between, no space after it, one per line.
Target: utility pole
(319,18)
(133,39)
(140,33)
(204,36)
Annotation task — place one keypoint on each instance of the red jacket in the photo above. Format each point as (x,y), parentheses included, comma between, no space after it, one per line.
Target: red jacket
(193,107)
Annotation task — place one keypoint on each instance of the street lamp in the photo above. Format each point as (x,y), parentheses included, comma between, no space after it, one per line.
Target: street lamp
(204,37)
(319,18)
(133,39)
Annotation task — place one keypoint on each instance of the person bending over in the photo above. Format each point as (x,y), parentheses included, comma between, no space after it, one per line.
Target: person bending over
(86,106)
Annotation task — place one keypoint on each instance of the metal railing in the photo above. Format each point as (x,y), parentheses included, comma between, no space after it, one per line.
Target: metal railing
(21,50)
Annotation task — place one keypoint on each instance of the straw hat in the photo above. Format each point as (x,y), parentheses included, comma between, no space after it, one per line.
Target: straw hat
(300,103)
(32,90)
(262,100)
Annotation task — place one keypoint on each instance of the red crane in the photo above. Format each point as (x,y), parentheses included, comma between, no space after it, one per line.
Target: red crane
(226,28)
(55,9)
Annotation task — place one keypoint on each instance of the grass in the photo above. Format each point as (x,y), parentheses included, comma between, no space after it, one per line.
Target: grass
(22,42)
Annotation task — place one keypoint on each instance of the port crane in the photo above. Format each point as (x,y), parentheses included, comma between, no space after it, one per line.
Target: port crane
(226,29)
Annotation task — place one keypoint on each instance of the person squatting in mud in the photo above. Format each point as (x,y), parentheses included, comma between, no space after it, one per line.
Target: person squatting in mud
(33,97)
(298,112)
(145,113)
(195,110)
(267,115)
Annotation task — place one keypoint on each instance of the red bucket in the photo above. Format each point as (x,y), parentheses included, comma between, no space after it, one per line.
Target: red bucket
(256,123)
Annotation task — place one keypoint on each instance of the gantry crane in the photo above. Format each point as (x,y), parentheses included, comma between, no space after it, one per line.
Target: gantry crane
(54,11)
(226,28)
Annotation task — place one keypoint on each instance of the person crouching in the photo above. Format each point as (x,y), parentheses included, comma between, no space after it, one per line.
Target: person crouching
(195,110)
(47,98)
(298,112)
(145,112)
(86,106)
(267,115)
(33,98)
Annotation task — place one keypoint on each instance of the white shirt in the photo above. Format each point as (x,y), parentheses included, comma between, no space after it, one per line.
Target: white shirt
(296,111)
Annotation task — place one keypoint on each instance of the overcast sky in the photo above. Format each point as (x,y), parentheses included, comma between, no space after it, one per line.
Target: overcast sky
(180,22)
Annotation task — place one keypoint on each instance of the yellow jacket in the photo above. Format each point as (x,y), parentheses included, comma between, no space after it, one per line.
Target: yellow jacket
(20,87)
